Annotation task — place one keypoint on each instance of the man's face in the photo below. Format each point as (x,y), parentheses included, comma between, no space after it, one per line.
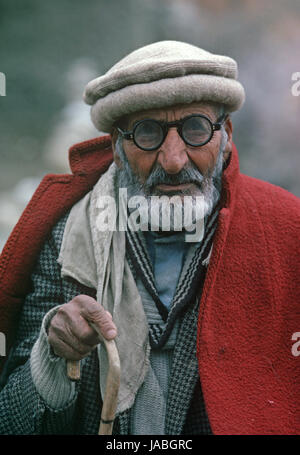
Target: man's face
(174,168)
(173,156)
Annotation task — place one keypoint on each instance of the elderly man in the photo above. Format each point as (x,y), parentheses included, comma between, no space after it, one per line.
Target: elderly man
(203,326)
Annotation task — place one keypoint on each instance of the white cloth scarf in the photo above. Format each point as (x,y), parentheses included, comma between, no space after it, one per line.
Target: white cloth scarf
(97,259)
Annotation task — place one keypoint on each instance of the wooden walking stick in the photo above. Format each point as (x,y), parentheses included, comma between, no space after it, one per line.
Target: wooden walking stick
(112,383)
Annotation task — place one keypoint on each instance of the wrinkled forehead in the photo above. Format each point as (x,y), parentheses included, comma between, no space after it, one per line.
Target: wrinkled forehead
(172,113)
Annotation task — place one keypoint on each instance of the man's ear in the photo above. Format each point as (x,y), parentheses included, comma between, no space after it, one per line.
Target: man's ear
(228,128)
(114,137)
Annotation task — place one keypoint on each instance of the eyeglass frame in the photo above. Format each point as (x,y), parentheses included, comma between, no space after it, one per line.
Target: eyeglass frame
(129,135)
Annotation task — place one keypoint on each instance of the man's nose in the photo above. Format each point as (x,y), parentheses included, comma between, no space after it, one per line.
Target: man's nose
(172,154)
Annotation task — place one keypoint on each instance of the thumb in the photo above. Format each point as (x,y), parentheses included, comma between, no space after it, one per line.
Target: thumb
(100,320)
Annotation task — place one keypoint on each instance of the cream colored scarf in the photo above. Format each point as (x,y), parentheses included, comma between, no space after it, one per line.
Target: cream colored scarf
(97,259)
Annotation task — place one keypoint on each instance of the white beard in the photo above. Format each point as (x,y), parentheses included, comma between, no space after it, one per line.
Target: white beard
(180,212)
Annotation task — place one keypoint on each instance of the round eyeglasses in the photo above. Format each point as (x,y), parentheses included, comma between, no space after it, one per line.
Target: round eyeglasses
(195,130)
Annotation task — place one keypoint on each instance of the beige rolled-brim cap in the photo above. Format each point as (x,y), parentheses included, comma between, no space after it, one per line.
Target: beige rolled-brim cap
(159,75)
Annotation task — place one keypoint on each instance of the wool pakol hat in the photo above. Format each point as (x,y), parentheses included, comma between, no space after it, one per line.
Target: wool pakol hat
(160,75)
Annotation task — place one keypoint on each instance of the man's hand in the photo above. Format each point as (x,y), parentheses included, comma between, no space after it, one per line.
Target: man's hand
(70,334)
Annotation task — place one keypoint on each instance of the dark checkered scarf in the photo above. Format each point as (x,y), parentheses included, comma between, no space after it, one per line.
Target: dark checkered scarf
(186,413)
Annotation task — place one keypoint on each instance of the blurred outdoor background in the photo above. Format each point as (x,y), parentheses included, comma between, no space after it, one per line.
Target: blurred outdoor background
(50,50)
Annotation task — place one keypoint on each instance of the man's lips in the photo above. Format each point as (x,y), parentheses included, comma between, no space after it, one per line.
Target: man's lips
(168,187)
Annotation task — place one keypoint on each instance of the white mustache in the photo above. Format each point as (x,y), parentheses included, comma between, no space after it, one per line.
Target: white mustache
(189,174)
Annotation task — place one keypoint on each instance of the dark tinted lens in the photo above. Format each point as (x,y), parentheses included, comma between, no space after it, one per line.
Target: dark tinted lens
(196,130)
(148,134)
